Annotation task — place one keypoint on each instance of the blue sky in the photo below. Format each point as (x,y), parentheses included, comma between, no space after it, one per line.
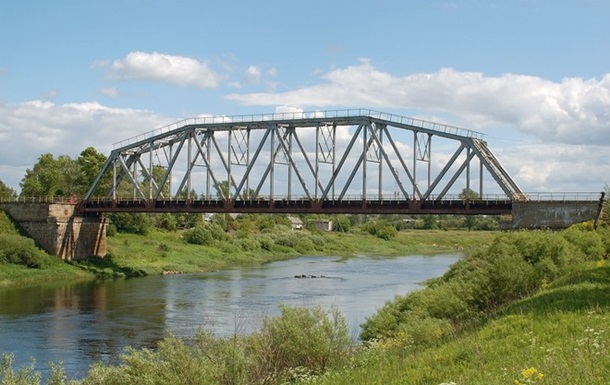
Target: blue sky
(534,76)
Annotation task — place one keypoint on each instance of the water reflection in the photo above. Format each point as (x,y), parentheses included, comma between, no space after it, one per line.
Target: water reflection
(81,323)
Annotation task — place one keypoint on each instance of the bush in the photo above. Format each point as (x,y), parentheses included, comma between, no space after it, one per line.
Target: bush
(342,224)
(138,223)
(381,230)
(586,241)
(515,265)
(205,234)
(302,337)
(21,251)
(299,340)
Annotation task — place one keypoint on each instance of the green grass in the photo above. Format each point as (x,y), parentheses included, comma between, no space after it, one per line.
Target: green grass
(562,331)
(161,251)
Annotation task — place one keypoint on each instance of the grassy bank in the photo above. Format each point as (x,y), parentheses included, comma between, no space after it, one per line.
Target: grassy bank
(532,308)
(557,336)
(167,251)
(251,240)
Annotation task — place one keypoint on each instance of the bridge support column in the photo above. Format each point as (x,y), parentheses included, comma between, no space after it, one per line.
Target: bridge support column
(59,231)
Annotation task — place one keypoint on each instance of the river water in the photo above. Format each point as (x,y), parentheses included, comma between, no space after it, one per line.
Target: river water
(81,323)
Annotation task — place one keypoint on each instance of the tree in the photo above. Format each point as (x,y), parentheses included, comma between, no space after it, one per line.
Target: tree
(44,179)
(6,192)
(468,194)
(90,163)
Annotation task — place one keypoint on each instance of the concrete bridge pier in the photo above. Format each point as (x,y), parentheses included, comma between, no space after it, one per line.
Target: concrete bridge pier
(59,230)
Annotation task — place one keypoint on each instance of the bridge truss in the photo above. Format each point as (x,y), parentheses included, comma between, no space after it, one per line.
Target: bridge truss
(348,161)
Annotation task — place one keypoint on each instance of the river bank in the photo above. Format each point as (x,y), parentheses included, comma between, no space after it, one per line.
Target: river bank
(167,252)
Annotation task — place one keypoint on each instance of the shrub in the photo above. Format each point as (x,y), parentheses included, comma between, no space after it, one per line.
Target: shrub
(138,223)
(381,230)
(167,222)
(342,224)
(302,337)
(22,251)
(513,266)
(587,241)
(205,234)
(266,243)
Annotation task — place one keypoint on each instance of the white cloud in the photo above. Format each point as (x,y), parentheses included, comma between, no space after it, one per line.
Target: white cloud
(32,128)
(574,110)
(158,67)
(252,75)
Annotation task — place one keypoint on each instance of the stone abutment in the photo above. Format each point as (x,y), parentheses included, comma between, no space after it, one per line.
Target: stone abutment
(59,230)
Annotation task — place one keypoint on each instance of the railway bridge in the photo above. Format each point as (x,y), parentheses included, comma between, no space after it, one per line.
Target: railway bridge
(340,161)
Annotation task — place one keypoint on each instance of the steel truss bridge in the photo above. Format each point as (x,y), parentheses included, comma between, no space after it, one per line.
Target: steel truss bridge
(345,161)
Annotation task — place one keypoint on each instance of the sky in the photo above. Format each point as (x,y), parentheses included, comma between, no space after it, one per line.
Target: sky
(532,75)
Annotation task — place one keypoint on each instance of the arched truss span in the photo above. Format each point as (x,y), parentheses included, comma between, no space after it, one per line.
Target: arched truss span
(331,161)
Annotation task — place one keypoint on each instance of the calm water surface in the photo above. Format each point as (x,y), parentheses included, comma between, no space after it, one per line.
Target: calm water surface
(80,323)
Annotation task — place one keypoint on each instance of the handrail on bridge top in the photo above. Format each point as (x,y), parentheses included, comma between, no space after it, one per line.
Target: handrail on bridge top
(347,113)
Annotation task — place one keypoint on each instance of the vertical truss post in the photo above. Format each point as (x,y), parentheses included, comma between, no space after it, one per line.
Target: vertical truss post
(290,132)
(429,159)
(380,179)
(150,180)
(334,144)
(272,161)
(114,179)
(414,164)
(363,157)
(468,151)
(247,163)
(480,178)
(229,150)
(189,160)
(206,142)
(317,169)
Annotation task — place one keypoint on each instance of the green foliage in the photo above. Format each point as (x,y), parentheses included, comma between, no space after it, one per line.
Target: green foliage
(515,265)
(166,221)
(6,193)
(135,223)
(381,230)
(64,176)
(90,163)
(342,224)
(205,234)
(24,376)
(299,340)
(302,337)
(586,241)
(21,251)
(6,224)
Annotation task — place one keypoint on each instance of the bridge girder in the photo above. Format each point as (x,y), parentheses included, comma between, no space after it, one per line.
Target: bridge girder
(321,156)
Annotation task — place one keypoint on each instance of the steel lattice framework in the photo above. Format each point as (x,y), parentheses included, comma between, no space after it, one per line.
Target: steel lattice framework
(356,161)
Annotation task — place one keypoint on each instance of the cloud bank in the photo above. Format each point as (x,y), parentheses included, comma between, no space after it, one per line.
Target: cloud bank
(574,111)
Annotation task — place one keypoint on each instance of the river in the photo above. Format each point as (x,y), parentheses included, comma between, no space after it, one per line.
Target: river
(81,323)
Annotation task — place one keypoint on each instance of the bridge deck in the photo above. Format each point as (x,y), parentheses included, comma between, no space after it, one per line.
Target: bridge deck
(457,207)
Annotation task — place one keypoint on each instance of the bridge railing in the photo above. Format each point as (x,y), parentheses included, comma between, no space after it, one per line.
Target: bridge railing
(532,197)
(562,196)
(299,115)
